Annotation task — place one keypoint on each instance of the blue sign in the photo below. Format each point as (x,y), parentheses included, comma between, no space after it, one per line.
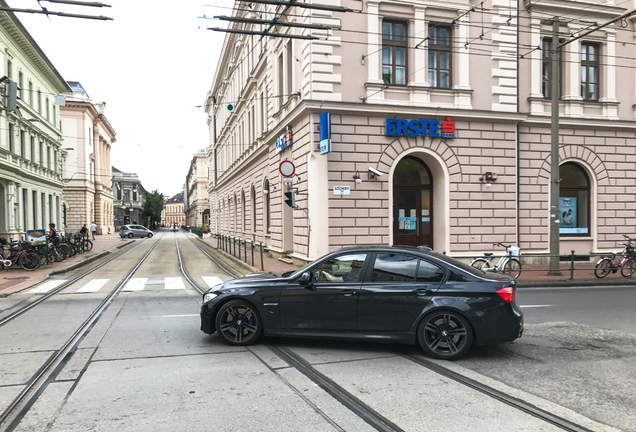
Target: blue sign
(283,141)
(325,132)
(413,128)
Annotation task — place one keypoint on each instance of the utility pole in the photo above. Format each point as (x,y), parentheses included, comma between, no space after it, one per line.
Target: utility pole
(555,213)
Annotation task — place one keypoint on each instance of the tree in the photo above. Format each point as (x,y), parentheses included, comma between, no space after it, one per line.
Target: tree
(153,207)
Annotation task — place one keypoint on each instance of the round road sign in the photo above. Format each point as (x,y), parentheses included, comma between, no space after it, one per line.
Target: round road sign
(287,168)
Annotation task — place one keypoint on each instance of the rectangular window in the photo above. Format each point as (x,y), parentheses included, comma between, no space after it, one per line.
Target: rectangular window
(48,157)
(546,73)
(589,71)
(31,93)
(290,68)
(36,223)
(280,88)
(11,139)
(439,56)
(394,49)
(25,208)
(41,155)
(39,102)
(32,155)
(22,144)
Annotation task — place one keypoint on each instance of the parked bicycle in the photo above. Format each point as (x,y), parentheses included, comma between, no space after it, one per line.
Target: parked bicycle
(508,263)
(18,253)
(623,261)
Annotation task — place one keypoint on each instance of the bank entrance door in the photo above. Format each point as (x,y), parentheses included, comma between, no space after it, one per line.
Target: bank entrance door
(412,204)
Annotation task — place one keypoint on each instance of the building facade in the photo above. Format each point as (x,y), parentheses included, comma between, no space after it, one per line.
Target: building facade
(88,137)
(173,211)
(196,207)
(129,199)
(439,127)
(30,142)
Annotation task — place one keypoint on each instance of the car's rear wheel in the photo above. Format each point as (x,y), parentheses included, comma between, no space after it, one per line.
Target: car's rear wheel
(238,323)
(445,335)
(130,235)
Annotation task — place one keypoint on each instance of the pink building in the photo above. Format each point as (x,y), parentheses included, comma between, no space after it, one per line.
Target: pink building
(453,113)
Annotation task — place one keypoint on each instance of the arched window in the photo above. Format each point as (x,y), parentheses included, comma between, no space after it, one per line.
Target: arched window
(253,202)
(246,221)
(574,201)
(267,192)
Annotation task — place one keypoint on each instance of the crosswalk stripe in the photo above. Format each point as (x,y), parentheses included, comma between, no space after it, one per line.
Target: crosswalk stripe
(135,284)
(93,286)
(174,283)
(47,286)
(212,280)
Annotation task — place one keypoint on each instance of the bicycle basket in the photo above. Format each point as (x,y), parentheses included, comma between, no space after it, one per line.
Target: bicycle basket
(514,251)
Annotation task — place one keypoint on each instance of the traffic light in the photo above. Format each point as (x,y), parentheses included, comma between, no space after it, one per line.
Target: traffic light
(11,97)
(291,199)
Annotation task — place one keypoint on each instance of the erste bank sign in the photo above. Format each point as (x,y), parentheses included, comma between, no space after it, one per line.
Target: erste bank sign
(413,128)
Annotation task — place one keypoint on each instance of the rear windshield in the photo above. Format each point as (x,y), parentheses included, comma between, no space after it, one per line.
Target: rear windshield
(452,261)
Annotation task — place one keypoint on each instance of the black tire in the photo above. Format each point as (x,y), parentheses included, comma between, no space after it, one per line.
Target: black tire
(130,235)
(30,261)
(626,269)
(150,235)
(480,263)
(513,268)
(88,245)
(68,251)
(445,335)
(603,268)
(238,323)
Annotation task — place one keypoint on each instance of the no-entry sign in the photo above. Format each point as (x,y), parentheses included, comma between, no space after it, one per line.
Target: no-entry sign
(286,168)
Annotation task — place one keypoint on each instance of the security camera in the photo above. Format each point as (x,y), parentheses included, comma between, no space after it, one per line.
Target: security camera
(374,172)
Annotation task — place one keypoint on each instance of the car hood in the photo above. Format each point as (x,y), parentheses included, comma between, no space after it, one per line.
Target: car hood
(256,280)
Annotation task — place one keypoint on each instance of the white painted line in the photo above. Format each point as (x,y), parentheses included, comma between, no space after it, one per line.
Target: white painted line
(135,284)
(93,286)
(47,286)
(535,306)
(212,280)
(174,283)
(179,316)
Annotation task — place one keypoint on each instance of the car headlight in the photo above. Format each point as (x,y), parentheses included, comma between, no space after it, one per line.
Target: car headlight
(209,297)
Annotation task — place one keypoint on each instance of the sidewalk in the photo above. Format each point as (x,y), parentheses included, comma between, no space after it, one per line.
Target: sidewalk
(14,279)
(531,276)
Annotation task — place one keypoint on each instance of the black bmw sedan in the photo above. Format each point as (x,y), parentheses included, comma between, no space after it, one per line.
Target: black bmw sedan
(398,294)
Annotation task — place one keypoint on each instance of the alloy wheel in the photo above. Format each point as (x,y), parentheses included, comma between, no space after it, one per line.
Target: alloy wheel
(445,335)
(238,323)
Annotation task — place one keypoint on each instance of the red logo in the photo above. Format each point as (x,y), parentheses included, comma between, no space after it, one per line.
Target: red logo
(448,126)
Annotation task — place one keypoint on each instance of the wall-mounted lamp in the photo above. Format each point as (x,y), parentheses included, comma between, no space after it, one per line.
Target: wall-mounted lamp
(488,178)
(265,191)
(357,178)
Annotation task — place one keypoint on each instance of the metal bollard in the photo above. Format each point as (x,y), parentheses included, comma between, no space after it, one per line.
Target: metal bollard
(262,266)
(245,246)
(239,249)
(572,266)
(252,244)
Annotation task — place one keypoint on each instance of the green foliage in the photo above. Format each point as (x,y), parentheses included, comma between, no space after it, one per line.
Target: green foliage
(153,206)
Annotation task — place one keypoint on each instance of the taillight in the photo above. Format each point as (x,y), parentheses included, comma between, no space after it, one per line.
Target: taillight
(507,293)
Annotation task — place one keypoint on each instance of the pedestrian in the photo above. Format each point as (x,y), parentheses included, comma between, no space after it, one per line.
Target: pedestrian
(84,231)
(93,230)
(52,234)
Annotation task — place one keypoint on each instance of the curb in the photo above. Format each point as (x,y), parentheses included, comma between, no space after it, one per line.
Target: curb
(577,283)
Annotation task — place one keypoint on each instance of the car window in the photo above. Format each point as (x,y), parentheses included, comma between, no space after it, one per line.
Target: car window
(463,266)
(343,268)
(428,272)
(457,277)
(394,268)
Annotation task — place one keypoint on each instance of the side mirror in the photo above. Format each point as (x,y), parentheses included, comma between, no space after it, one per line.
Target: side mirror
(305,278)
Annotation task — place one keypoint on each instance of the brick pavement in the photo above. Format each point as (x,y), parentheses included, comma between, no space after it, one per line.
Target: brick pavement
(14,279)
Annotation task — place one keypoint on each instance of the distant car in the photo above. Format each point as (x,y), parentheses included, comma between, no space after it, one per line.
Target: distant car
(400,294)
(131,231)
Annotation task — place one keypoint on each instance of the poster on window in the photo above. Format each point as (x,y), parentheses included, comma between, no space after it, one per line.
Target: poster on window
(568,217)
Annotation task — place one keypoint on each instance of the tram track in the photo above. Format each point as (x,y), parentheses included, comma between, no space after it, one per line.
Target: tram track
(39,381)
(40,299)
(377,420)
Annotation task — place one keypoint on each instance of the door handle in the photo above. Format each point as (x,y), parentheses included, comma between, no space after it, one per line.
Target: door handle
(423,291)
(347,293)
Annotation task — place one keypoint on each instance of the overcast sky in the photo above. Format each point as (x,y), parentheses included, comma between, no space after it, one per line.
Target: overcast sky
(152,65)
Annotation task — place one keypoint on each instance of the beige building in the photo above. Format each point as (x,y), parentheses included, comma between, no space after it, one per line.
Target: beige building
(196,208)
(129,200)
(88,137)
(30,142)
(440,129)
(173,211)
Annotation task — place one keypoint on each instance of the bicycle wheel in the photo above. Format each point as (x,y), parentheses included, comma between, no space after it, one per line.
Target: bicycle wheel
(88,245)
(513,268)
(68,251)
(30,261)
(603,268)
(481,264)
(628,268)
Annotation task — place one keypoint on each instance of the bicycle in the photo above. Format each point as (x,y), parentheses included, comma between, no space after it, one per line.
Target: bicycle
(509,265)
(605,265)
(20,254)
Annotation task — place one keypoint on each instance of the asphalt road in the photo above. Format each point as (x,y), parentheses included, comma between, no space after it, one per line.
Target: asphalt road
(146,366)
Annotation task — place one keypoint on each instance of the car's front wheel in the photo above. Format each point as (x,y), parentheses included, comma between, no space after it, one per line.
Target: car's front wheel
(149,235)
(445,335)
(238,323)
